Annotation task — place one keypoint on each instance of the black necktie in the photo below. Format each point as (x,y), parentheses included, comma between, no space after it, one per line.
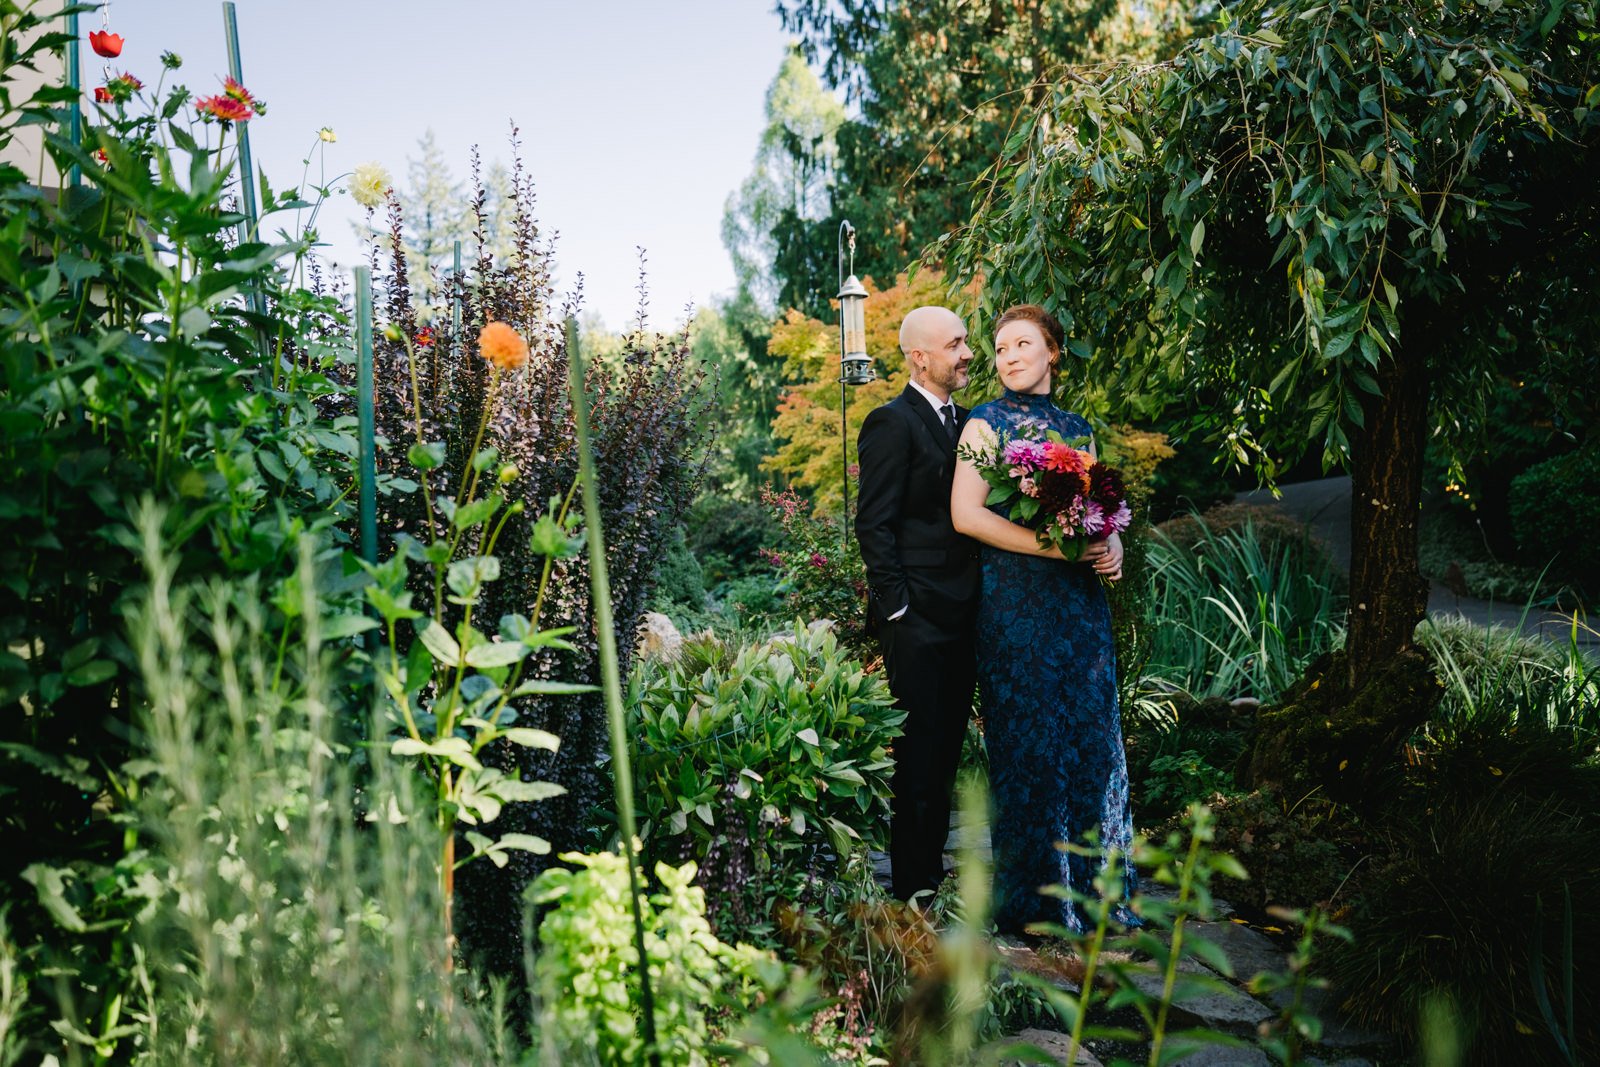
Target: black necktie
(949,413)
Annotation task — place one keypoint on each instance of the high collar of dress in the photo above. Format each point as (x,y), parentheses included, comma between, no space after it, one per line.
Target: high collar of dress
(1028,400)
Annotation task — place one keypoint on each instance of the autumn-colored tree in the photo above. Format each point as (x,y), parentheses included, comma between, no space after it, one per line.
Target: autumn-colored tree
(808,424)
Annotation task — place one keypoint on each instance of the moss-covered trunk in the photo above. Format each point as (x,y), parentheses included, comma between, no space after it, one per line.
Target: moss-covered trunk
(1388,595)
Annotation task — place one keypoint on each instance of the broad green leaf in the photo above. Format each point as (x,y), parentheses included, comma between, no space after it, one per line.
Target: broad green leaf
(440,644)
(529,737)
(426,457)
(496,654)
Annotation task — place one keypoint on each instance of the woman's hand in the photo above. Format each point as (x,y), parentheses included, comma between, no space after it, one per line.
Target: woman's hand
(1105,557)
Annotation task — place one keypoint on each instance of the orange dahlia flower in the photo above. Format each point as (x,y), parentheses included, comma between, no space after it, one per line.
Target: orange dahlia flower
(503,346)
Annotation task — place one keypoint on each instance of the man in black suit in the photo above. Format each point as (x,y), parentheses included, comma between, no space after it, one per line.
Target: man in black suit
(923,579)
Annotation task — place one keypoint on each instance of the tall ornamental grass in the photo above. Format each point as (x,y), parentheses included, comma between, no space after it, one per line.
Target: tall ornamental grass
(293,909)
(1241,615)
(1501,681)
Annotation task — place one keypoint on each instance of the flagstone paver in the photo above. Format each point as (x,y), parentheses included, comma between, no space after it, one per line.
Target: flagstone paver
(1217,1056)
(1248,951)
(1230,1008)
(1058,1045)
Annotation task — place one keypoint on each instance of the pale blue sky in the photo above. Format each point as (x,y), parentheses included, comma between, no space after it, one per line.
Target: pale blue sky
(638,118)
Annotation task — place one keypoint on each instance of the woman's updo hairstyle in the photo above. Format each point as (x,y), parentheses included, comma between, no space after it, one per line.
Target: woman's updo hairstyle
(1054,336)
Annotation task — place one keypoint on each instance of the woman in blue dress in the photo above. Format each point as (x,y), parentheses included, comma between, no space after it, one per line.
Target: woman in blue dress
(1046,662)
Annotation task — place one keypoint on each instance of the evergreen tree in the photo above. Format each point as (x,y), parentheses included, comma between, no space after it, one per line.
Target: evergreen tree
(436,216)
(790,186)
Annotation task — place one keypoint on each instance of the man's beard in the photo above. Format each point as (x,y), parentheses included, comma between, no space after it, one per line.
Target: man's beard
(949,382)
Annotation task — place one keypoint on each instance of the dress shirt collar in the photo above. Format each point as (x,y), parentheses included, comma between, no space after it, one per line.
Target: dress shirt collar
(938,405)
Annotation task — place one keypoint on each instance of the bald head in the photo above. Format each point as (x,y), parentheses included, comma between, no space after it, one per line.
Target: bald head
(929,327)
(934,342)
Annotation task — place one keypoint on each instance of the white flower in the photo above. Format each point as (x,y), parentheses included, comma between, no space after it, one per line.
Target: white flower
(370,184)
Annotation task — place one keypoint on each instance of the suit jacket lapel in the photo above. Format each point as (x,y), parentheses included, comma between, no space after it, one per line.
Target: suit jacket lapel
(929,418)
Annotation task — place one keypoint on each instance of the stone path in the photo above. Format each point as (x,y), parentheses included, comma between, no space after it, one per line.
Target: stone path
(1230,1009)
(1324,506)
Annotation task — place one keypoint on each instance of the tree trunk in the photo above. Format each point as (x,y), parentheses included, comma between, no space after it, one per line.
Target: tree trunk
(1388,596)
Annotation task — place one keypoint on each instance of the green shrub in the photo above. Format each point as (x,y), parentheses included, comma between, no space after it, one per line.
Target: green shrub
(1555,509)
(1464,890)
(823,576)
(1276,532)
(1298,854)
(753,602)
(149,347)
(727,535)
(1453,548)
(765,762)
(680,584)
(585,977)
(1174,781)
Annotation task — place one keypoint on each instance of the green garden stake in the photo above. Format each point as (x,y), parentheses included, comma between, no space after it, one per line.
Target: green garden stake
(455,303)
(75,83)
(247,170)
(367,436)
(248,229)
(610,681)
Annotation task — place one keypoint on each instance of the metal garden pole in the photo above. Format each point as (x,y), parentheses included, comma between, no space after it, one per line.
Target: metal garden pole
(455,305)
(247,170)
(367,436)
(75,83)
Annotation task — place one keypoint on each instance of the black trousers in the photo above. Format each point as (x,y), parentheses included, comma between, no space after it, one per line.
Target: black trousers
(932,672)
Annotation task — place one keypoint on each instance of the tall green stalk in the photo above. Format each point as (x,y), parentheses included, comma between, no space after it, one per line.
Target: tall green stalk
(610,679)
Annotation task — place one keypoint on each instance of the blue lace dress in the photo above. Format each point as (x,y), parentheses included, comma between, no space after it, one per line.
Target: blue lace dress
(1047,674)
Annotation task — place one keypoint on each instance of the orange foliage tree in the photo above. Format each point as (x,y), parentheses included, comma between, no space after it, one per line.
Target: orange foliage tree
(807,422)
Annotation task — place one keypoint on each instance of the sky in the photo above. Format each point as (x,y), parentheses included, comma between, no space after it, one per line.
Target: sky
(637,117)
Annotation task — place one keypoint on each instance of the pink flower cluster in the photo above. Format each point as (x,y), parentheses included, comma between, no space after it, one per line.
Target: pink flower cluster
(1061,492)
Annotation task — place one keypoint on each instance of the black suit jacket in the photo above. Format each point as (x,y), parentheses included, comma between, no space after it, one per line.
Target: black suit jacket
(912,554)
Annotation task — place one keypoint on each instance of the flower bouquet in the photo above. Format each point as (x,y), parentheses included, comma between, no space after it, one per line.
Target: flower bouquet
(1057,490)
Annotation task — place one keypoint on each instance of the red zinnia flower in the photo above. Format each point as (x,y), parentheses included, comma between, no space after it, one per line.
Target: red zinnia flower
(105,43)
(118,90)
(234,91)
(223,109)
(101,158)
